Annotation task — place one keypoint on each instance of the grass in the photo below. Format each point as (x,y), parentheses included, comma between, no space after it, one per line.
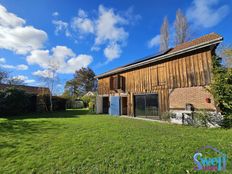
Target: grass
(73,142)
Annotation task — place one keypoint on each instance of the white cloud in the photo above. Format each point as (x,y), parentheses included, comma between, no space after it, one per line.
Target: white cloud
(2,60)
(16,36)
(43,73)
(22,67)
(61,26)
(82,23)
(24,79)
(40,57)
(7,66)
(77,63)
(112,52)
(207,13)
(82,13)
(110,31)
(16,67)
(8,19)
(55,13)
(64,58)
(109,27)
(155,41)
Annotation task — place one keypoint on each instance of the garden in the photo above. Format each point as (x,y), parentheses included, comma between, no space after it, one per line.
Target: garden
(75,141)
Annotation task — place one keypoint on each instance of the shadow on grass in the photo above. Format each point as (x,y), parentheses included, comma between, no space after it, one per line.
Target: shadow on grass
(21,127)
(56,114)
(17,132)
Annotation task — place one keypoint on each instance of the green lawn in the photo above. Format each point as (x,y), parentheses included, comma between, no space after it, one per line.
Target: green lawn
(72,142)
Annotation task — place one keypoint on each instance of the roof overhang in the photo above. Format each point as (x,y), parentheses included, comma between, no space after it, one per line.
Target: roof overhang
(162,57)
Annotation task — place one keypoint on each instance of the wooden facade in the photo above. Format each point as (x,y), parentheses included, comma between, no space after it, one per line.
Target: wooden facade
(190,69)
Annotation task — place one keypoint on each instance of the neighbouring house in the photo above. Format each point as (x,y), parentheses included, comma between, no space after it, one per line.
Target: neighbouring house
(37,92)
(90,93)
(173,80)
(74,104)
(28,89)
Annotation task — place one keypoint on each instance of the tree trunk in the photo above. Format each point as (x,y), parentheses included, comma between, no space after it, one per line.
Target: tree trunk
(51,104)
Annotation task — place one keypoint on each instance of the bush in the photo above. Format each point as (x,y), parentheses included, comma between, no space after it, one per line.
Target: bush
(88,99)
(74,104)
(221,88)
(14,102)
(227,121)
(207,119)
(43,103)
(166,116)
(59,103)
(91,106)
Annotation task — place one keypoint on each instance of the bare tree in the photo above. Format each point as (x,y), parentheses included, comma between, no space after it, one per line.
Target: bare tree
(3,76)
(164,35)
(15,81)
(50,78)
(225,52)
(6,79)
(182,33)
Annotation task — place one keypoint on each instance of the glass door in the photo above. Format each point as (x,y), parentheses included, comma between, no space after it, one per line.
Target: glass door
(146,105)
(151,105)
(140,105)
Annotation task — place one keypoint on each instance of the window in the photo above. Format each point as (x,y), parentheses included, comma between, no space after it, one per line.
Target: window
(146,105)
(117,82)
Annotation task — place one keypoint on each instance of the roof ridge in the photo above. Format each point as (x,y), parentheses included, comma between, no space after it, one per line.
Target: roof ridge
(198,43)
(22,85)
(206,35)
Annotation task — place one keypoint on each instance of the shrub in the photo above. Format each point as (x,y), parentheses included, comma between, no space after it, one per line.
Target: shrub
(43,103)
(74,104)
(227,121)
(207,119)
(221,88)
(88,99)
(59,103)
(91,106)
(166,116)
(14,101)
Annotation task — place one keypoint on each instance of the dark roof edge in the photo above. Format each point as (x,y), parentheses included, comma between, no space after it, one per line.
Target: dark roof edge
(27,86)
(162,57)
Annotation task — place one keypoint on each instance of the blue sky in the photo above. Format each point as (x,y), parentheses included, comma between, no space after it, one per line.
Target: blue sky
(100,34)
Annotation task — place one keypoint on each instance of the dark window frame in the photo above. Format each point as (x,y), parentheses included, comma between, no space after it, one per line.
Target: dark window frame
(117,82)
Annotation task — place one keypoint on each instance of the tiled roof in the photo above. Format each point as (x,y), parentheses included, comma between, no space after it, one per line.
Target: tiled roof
(28,89)
(212,39)
(195,42)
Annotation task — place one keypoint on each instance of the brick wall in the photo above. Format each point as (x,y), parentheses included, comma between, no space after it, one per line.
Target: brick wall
(196,96)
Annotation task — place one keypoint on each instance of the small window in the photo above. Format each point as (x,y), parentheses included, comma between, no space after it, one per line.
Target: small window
(117,82)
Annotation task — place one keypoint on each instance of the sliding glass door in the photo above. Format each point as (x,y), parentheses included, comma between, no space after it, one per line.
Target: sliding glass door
(146,105)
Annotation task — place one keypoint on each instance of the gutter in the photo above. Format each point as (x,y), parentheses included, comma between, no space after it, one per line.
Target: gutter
(159,58)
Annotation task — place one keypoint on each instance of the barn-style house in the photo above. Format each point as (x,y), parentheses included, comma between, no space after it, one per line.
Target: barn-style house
(163,82)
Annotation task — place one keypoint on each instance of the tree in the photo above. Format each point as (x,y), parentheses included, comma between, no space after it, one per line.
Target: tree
(3,76)
(71,89)
(15,81)
(6,79)
(226,53)
(221,86)
(82,82)
(50,78)
(164,35)
(181,25)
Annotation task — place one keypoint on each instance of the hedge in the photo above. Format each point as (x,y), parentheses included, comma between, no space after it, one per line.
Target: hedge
(43,103)
(14,101)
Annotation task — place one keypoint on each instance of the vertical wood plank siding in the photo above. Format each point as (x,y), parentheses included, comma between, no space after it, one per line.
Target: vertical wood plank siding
(188,70)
